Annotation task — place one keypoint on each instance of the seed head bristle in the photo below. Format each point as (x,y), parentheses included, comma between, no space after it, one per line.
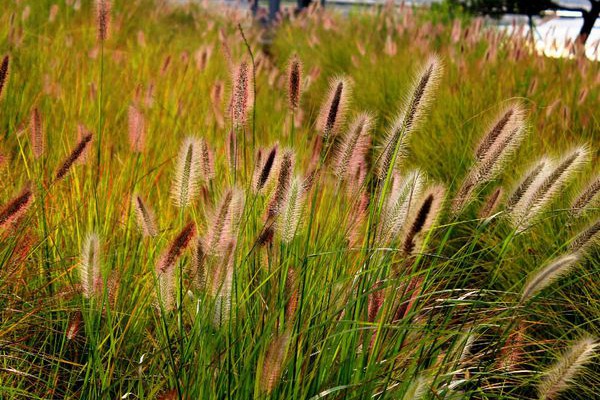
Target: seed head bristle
(404,194)
(507,120)
(223,224)
(547,275)
(274,362)
(286,169)
(221,285)
(187,173)
(413,111)
(495,149)
(546,187)
(294,82)
(36,131)
(526,183)
(354,147)
(198,264)
(333,110)
(75,155)
(137,129)
(563,372)
(145,217)
(103,17)
(424,218)
(4,73)
(242,95)
(291,211)
(586,197)
(208,162)
(586,239)
(292,295)
(491,203)
(89,266)
(18,206)
(263,170)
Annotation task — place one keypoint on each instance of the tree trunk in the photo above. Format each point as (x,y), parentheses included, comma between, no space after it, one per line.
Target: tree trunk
(589,19)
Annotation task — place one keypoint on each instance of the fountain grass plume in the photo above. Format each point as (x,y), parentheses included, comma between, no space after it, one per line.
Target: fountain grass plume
(137,129)
(504,122)
(76,154)
(527,182)
(223,222)
(424,218)
(82,132)
(103,19)
(222,285)
(242,94)
(354,147)
(36,132)
(290,219)
(491,203)
(414,108)
(207,161)
(561,375)
(145,217)
(167,261)
(89,266)
(405,192)
(495,149)
(586,197)
(187,177)
(4,73)
(263,169)
(333,110)
(294,87)
(165,268)
(586,239)
(547,275)
(273,364)
(286,170)
(546,187)
(18,206)
(199,264)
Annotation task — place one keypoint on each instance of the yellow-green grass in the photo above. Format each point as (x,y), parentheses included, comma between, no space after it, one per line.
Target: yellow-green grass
(470,271)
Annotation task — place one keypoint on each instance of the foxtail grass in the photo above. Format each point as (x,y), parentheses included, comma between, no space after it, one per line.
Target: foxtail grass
(4,73)
(333,109)
(561,375)
(412,112)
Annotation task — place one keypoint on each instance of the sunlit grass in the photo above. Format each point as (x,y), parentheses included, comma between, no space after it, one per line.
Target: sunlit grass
(249,307)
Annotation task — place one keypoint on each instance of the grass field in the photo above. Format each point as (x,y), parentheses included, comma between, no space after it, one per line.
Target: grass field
(388,204)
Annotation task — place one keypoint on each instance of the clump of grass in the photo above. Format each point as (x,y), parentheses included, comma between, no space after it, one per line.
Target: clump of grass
(324,266)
